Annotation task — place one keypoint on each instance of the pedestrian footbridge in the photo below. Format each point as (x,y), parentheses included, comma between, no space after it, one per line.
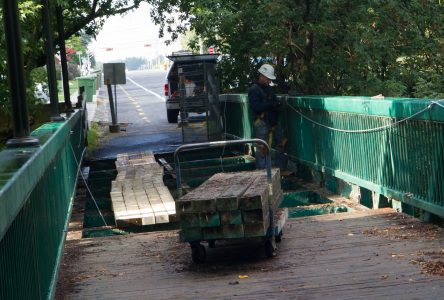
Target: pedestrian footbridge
(379,152)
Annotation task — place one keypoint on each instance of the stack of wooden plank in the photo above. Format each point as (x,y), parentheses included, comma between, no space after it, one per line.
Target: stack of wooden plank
(229,205)
(138,194)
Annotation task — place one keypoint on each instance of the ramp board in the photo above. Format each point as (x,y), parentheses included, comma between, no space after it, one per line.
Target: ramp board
(138,194)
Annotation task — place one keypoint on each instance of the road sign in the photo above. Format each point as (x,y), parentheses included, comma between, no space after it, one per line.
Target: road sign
(114,73)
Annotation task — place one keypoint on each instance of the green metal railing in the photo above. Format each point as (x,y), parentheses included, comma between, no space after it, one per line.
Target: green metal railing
(37,187)
(236,115)
(391,146)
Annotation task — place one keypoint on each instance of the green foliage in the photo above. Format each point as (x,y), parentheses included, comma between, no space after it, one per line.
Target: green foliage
(73,71)
(92,136)
(83,19)
(37,77)
(320,47)
(79,45)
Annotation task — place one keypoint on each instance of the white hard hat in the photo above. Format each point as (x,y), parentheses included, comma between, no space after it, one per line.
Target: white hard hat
(268,71)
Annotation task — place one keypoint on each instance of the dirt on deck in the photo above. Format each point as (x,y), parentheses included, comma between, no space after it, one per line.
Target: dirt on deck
(373,254)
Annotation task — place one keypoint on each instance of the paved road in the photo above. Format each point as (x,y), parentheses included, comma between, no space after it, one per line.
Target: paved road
(141,110)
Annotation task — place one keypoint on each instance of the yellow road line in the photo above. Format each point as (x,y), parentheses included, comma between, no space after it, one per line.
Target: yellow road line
(136,104)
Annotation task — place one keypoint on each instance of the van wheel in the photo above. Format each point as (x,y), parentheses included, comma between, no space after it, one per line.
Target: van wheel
(172,115)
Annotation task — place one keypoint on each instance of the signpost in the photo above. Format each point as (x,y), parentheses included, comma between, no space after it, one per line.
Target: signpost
(113,73)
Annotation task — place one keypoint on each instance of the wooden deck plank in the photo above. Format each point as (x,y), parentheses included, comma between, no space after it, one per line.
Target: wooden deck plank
(363,255)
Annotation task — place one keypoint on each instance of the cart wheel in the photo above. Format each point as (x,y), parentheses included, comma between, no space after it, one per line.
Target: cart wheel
(278,238)
(198,253)
(212,244)
(270,248)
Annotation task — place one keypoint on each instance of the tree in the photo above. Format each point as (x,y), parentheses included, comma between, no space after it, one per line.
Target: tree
(320,46)
(82,18)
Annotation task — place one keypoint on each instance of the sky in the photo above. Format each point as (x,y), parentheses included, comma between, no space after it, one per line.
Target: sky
(131,35)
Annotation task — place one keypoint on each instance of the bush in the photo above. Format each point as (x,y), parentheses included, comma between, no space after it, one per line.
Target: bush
(73,71)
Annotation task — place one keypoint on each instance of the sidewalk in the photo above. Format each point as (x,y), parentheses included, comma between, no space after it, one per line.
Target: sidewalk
(98,110)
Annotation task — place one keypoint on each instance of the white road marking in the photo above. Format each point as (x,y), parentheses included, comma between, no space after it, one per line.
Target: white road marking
(145,89)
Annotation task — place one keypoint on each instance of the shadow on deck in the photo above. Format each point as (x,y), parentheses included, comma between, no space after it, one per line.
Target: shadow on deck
(369,254)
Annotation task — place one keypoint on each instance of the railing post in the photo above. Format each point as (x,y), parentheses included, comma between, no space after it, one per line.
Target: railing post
(50,65)
(63,61)
(16,77)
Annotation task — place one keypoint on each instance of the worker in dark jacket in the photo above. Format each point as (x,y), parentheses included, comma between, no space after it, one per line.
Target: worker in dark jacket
(264,105)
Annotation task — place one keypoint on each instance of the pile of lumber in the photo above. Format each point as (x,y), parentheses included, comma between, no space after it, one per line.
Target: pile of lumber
(138,194)
(229,205)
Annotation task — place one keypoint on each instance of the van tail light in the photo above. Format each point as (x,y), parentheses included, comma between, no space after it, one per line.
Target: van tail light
(165,89)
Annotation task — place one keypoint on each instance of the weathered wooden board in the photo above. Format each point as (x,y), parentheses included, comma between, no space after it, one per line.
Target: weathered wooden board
(376,254)
(255,229)
(233,231)
(255,196)
(254,216)
(227,200)
(257,193)
(203,198)
(223,232)
(209,219)
(233,217)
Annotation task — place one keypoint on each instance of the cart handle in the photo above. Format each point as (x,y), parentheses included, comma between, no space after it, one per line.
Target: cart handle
(216,144)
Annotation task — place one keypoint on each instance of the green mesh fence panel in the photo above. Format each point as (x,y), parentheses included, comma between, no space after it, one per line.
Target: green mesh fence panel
(35,204)
(403,161)
(236,115)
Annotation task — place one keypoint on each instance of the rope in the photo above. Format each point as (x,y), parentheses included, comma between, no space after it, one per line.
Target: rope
(352,131)
(437,103)
(87,187)
(371,129)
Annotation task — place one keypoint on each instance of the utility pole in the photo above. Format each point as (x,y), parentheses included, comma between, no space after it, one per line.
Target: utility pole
(50,65)
(16,77)
(63,60)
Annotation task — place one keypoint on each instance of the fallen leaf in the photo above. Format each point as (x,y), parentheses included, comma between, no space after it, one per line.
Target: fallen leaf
(243,276)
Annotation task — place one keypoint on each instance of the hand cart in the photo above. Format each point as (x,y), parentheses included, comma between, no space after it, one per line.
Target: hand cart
(274,231)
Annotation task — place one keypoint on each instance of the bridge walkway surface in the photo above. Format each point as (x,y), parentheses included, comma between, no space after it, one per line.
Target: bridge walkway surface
(368,255)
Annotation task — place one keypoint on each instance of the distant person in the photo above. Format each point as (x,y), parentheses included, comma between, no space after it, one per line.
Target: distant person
(189,87)
(264,105)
